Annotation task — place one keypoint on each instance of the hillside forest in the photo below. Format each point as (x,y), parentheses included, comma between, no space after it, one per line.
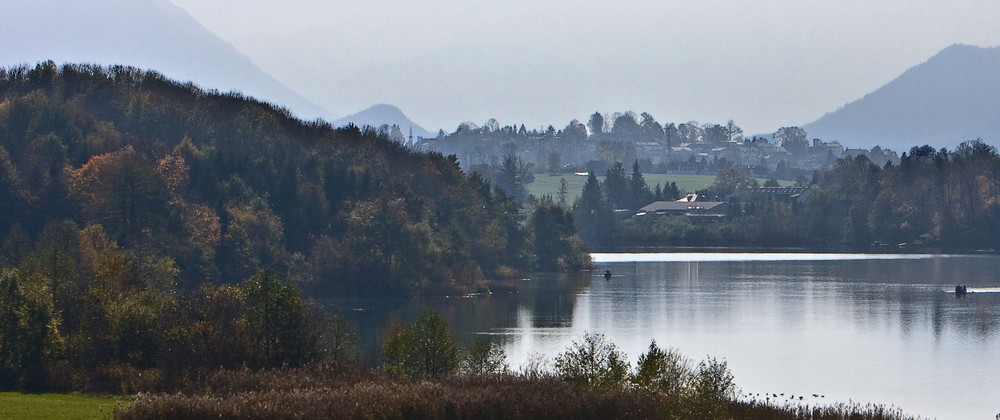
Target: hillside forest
(147,224)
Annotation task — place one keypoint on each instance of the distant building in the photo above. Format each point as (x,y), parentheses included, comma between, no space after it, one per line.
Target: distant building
(691,209)
(775,194)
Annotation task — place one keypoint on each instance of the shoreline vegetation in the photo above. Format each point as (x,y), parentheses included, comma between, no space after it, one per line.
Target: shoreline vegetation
(426,376)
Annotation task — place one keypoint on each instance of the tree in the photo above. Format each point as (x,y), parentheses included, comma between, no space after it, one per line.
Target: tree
(484,355)
(616,186)
(671,134)
(563,193)
(711,389)
(638,191)
(122,191)
(276,323)
(670,192)
(29,335)
(554,233)
(594,215)
(626,127)
(733,132)
(575,132)
(730,180)
(793,139)
(594,362)
(715,134)
(511,176)
(659,370)
(690,132)
(596,124)
(426,347)
(652,131)
(555,161)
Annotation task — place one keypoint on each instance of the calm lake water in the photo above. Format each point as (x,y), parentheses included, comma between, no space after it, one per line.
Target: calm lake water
(884,329)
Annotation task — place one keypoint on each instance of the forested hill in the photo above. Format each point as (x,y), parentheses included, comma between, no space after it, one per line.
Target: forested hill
(191,186)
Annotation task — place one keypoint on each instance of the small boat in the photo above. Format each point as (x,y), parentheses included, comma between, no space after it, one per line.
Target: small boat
(961,290)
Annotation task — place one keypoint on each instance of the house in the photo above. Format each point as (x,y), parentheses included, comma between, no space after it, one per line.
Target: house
(691,209)
(775,194)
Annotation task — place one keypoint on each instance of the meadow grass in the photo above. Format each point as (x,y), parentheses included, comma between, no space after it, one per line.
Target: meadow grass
(15,405)
(546,184)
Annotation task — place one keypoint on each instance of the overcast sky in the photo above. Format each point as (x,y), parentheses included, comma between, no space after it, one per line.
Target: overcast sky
(763,63)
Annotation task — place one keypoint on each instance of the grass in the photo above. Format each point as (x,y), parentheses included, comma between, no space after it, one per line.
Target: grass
(549,184)
(15,405)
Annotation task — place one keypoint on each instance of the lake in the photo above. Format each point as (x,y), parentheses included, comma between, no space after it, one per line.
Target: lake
(877,328)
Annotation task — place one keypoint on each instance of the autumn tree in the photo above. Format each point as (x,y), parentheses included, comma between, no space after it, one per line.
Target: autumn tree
(122,191)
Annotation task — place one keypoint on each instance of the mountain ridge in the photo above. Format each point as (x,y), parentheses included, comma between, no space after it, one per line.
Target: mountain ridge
(944,101)
(152,34)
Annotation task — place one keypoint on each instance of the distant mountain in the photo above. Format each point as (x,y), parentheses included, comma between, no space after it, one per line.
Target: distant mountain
(152,34)
(951,98)
(384,114)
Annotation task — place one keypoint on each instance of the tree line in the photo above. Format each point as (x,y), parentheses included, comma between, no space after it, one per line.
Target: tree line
(931,199)
(216,186)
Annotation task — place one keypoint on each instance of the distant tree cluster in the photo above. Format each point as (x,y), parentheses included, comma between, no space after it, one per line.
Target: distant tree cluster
(509,155)
(605,138)
(594,210)
(932,198)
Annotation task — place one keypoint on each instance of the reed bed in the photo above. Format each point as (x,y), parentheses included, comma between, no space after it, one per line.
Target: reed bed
(321,393)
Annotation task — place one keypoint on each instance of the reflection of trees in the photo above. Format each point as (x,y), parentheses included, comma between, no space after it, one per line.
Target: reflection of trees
(915,292)
(550,299)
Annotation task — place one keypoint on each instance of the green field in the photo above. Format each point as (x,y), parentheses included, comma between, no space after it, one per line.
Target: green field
(15,405)
(549,184)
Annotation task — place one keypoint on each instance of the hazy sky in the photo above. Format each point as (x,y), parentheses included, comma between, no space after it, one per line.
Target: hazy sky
(762,63)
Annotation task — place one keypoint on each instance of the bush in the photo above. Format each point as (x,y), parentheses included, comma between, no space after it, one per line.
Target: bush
(484,355)
(426,347)
(710,391)
(594,362)
(662,371)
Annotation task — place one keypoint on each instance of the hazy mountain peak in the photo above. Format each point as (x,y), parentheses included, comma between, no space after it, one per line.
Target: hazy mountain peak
(950,98)
(379,114)
(150,34)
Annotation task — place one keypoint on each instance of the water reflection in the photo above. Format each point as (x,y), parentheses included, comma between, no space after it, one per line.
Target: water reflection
(887,329)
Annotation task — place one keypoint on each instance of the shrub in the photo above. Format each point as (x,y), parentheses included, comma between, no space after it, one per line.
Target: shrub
(710,391)
(426,347)
(659,370)
(484,355)
(594,362)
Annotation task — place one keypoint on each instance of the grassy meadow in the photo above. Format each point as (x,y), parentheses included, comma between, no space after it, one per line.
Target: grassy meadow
(15,405)
(546,184)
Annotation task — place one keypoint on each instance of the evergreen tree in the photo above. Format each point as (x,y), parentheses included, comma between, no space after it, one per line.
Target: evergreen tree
(638,191)
(594,215)
(616,186)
